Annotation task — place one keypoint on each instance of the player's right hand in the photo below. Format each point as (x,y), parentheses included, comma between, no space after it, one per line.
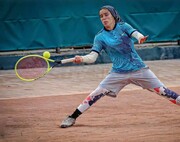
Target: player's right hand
(78,59)
(143,39)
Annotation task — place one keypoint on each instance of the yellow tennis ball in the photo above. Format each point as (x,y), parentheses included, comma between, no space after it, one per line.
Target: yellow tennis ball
(46,54)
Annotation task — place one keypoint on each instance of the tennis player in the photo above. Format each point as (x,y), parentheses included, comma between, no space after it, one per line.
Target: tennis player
(116,39)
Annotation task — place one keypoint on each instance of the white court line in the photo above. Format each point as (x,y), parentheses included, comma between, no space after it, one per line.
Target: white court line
(75,93)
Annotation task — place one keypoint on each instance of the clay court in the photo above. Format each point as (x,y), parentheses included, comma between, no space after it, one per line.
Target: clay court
(32,111)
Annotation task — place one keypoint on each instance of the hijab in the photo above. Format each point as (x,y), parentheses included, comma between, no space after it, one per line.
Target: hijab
(113,12)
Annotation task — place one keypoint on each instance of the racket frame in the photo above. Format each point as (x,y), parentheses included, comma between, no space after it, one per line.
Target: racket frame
(48,65)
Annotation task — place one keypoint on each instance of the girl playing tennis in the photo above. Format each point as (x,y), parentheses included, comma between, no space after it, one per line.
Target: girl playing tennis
(116,40)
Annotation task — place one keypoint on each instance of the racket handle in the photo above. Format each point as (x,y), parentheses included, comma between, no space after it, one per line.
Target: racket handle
(67,60)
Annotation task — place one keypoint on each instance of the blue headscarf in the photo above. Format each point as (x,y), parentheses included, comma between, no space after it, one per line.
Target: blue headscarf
(113,12)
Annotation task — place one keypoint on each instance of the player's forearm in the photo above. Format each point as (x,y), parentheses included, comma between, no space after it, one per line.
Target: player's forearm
(141,38)
(90,58)
(137,35)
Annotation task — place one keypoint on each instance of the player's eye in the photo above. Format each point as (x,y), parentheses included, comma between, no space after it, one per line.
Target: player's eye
(104,15)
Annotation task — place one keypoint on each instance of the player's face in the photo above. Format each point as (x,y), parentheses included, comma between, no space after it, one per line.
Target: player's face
(107,19)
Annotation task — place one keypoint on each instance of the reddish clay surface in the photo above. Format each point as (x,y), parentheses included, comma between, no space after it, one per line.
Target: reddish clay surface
(32,112)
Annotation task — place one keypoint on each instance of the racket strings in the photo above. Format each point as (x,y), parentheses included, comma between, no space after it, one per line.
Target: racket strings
(32,67)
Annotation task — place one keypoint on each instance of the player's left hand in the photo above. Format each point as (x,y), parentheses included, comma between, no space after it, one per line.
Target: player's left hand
(78,59)
(143,39)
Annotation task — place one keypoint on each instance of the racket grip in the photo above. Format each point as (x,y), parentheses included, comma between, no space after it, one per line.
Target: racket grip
(67,60)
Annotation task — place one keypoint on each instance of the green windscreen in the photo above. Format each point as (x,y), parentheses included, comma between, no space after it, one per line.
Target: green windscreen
(40,24)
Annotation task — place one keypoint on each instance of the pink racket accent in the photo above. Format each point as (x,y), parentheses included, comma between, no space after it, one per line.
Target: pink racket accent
(32,67)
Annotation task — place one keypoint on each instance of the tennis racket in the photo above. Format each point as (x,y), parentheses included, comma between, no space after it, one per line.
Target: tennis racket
(33,67)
